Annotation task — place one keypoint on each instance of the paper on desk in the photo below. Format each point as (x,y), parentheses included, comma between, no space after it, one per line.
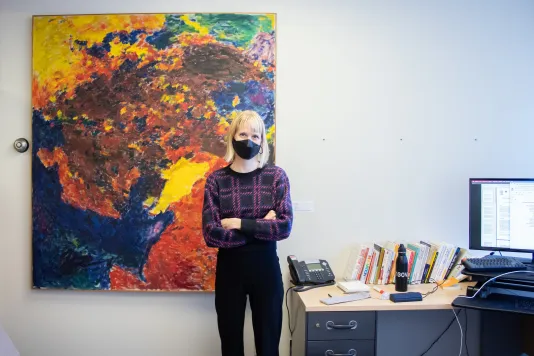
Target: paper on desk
(353,286)
(6,345)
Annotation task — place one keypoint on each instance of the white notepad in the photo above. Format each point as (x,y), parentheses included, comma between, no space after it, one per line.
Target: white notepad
(353,286)
(346,298)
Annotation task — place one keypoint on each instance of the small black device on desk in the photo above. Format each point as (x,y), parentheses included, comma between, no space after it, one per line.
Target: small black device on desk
(310,272)
(406,297)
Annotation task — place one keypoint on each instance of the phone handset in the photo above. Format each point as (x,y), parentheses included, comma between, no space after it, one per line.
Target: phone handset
(298,275)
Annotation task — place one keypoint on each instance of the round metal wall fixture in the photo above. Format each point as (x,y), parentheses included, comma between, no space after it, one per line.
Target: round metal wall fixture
(21,145)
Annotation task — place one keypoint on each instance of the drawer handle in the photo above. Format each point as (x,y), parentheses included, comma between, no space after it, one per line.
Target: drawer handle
(351,352)
(352,325)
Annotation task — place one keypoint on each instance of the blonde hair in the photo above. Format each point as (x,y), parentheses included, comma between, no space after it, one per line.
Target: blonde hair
(257,125)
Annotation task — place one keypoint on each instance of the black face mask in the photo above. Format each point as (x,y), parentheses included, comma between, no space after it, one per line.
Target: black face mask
(246,149)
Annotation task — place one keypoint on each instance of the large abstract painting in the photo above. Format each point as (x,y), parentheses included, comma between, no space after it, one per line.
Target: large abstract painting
(129,114)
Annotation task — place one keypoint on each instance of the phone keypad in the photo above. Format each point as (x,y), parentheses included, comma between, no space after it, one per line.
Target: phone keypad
(318,275)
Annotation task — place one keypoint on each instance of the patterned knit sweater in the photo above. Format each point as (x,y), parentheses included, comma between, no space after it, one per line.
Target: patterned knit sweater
(248,196)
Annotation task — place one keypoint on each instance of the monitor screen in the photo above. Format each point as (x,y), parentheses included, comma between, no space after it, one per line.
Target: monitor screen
(501,214)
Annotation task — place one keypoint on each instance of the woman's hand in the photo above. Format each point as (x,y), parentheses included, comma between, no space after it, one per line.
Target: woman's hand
(235,223)
(231,223)
(271,215)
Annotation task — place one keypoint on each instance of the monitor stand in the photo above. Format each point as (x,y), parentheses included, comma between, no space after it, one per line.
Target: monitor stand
(520,278)
(526,261)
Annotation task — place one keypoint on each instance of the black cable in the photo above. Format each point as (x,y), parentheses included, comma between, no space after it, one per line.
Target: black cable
(443,333)
(288,314)
(304,288)
(301,288)
(434,290)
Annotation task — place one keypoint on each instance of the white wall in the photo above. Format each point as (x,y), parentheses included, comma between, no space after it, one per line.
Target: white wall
(385,109)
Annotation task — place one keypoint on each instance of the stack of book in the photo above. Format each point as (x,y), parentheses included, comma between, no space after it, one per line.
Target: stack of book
(428,262)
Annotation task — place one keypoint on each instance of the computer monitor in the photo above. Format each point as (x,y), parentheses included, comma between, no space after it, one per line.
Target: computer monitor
(501,214)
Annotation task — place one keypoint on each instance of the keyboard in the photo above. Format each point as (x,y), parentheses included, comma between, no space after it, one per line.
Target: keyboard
(493,264)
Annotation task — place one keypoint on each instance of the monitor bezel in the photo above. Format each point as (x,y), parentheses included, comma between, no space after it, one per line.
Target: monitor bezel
(471,237)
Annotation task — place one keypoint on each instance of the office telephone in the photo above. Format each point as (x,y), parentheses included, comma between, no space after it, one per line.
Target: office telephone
(310,272)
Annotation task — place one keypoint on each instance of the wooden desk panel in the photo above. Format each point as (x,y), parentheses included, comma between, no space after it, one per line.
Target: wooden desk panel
(309,317)
(441,299)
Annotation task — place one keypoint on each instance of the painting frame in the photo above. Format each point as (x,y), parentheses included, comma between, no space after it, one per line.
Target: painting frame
(56,159)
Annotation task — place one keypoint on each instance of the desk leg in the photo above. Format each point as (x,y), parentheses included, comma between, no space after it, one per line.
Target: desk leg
(527,327)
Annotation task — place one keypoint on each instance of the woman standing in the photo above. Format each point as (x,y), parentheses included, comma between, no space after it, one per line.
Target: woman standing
(247,209)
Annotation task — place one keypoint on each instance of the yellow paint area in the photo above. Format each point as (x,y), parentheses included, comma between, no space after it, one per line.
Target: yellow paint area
(270,133)
(173,99)
(210,104)
(223,122)
(108,125)
(201,29)
(180,180)
(272,17)
(117,48)
(56,55)
(236,101)
(135,147)
(149,201)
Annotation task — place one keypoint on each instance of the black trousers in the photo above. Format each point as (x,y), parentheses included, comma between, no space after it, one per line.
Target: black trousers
(254,273)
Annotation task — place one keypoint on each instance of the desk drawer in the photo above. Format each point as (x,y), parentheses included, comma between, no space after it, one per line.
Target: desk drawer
(341,325)
(341,347)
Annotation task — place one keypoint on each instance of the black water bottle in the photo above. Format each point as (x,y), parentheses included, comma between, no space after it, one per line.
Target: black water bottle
(401,275)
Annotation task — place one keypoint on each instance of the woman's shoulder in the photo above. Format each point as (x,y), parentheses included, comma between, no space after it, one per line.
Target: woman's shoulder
(218,174)
(275,170)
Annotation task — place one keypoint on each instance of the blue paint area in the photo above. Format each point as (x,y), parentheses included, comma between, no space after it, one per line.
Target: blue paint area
(98,51)
(132,36)
(101,50)
(140,123)
(46,134)
(189,113)
(270,76)
(127,66)
(74,248)
(80,44)
(252,96)
(161,39)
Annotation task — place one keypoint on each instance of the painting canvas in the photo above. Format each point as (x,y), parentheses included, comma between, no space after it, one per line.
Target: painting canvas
(129,113)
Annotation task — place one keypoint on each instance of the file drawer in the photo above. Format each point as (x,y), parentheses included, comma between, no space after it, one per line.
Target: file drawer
(341,326)
(341,348)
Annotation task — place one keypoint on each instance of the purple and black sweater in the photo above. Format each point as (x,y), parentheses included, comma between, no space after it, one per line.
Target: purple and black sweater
(249,197)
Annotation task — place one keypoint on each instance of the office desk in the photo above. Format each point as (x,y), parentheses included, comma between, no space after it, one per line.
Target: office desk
(350,328)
